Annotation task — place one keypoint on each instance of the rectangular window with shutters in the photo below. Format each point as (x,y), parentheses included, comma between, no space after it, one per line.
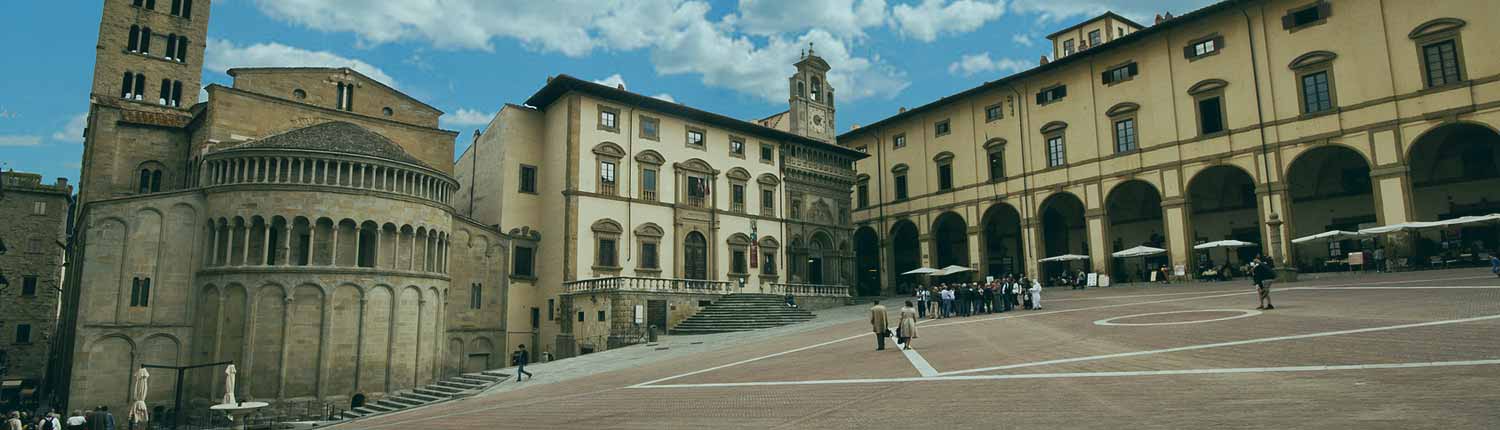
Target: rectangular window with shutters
(1210,115)
(1316,95)
(900,187)
(1125,135)
(942,128)
(1120,74)
(648,256)
(898,141)
(1052,94)
(1306,16)
(1440,63)
(1056,156)
(1203,47)
(528,179)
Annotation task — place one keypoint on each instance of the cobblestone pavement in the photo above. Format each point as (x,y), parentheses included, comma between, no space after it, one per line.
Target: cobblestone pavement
(1408,350)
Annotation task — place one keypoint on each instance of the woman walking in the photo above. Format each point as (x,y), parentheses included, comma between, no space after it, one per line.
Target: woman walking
(906,330)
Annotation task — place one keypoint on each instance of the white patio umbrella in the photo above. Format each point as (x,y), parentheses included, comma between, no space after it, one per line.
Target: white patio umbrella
(1328,235)
(921,271)
(1064,257)
(1226,244)
(229,373)
(138,411)
(1413,225)
(953,269)
(1139,251)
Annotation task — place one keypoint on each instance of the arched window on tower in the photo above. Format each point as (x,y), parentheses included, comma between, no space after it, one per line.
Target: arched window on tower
(150,178)
(177,7)
(135,39)
(146,40)
(182,44)
(140,86)
(140,292)
(187,9)
(176,93)
(817,89)
(171,46)
(151,4)
(127,86)
(166,92)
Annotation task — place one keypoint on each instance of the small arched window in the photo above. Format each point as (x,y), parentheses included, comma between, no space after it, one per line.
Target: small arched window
(817,89)
(166,92)
(171,46)
(176,93)
(127,86)
(140,292)
(150,180)
(146,40)
(187,9)
(135,39)
(299,94)
(140,86)
(387,111)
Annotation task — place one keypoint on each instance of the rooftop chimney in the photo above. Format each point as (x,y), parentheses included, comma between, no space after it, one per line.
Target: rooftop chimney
(620,87)
(1158,19)
(901,110)
(854,127)
(1167,17)
(1044,60)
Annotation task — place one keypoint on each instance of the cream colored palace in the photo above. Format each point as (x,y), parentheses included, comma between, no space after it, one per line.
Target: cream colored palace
(1255,120)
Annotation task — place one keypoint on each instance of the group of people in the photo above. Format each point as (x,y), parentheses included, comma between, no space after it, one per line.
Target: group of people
(97,419)
(955,300)
(975,298)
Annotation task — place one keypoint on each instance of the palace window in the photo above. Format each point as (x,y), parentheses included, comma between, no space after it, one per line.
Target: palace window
(1316,92)
(649,259)
(737,198)
(134,43)
(145,46)
(648,183)
(1210,115)
(996,156)
(1125,139)
(606,245)
(899,178)
(1055,154)
(694,256)
(994,112)
(1068,47)
(650,128)
(150,180)
(521,262)
(767,153)
(476,295)
(941,128)
(1094,39)
(1120,74)
(1306,16)
(528,179)
(648,237)
(23,333)
(607,177)
(944,163)
(898,141)
(695,138)
(767,200)
(140,292)
(1440,63)
(698,191)
(28,285)
(346,97)
(182,8)
(609,119)
(1051,94)
(739,254)
(862,197)
(737,147)
(1203,47)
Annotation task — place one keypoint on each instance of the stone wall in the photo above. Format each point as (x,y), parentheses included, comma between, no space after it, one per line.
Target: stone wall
(35,221)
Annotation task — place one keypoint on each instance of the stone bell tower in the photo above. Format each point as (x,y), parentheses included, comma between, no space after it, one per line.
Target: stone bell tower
(811,100)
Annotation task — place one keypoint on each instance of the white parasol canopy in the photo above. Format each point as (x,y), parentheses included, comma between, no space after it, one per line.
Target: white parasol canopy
(1328,235)
(922,271)
(138,411)
(1064,257)
(229,385)
(953,269)
(1139,251)
(1224,244)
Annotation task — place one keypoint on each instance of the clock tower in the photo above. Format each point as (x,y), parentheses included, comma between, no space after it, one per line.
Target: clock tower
(811,98)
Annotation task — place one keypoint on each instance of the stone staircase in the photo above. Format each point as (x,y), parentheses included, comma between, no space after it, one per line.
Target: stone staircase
(453,387)
(740,312)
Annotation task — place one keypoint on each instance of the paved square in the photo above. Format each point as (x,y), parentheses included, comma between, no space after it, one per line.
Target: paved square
(1411,350)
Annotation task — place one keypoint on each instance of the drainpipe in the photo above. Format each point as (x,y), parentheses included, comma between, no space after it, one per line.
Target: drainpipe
(1265,149)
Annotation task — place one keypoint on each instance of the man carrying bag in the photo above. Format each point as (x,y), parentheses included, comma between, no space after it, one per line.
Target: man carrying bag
(879,324)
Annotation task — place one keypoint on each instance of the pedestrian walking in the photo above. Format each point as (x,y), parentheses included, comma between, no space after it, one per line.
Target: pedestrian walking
(76,421)
(102,419)
(521,358)
(922,297)
(906,330)
(14,421)
(50,422)
(1495,263)
(1036,295)
(878,323)
(1263,276)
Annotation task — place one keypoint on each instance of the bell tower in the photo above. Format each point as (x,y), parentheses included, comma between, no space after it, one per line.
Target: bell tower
(811,100)
(151,51)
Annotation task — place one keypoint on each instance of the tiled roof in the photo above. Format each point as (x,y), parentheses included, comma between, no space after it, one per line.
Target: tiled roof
(336,136)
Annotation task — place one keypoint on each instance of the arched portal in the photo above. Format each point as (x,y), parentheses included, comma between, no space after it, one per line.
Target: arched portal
(1221,206)
(817,254)
(695,256)
(867,261)
(1063,230)
(1002,249)
(1134,212)
(1330,190)
(950,242)
(906,254)
(1455,172)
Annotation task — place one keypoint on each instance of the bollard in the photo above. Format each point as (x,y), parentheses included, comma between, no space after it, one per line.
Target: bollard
(651,333)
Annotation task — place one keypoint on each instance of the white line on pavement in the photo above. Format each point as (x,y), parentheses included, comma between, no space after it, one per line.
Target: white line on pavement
(1459,287)
(1211,371)
(1223,344)
(920,363)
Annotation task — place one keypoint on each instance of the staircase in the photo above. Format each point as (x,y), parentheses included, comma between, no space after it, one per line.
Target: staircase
(453,387)
(740,312)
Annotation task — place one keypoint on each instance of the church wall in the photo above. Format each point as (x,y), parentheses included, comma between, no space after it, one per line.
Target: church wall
(321,88)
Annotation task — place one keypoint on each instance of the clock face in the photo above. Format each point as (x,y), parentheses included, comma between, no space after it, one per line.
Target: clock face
(818,119)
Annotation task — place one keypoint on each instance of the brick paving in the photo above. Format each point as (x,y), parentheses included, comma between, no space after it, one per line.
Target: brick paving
(1347,352)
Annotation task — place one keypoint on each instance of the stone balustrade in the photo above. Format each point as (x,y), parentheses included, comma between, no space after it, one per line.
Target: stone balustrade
(819,290)
(654,285)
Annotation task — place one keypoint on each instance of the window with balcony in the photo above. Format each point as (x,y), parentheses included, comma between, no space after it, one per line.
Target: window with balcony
(767,201)
(737,198)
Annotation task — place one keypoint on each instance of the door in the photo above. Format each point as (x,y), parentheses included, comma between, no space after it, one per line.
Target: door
(695,256)
(656,314)
(815,270)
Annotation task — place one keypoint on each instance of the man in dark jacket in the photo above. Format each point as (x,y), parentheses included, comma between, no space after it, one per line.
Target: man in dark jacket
(521,359)
(1264,276)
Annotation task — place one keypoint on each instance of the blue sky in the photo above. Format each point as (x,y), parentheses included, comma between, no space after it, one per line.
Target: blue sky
(469,57)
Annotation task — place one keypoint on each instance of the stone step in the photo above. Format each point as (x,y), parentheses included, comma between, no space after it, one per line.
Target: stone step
(424,398)
(432,393)
(483,377)
(445,390)
(459,385)
(376,407)
(502,375)
(404,400)
(472,381)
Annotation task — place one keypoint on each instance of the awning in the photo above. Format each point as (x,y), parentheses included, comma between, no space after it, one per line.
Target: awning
(1224,244)
(1328,235)
(1064,257)
(950,270)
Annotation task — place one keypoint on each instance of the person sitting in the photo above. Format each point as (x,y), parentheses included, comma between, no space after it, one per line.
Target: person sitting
(791,301)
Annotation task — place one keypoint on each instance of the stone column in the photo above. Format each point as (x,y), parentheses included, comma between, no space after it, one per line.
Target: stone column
(359,344)
(245,245)
(265,245)
(286,329)
(1177,217)
(1099,246)
(324,360)
(333,251)
(1031,237)
(1275,201)
(974,254)
(312,239)
(213,256)
(286,244)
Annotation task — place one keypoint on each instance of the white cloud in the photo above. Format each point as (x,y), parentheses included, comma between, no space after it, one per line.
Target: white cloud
(222,55)
(665,97)
(613,81)
(1141,11)
(931,18)
(73,132)
(468,117)
(678,35)
(844,18)
(971,64)
(1026,40)
(14,140)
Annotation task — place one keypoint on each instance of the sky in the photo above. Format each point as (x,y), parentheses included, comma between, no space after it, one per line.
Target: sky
(470,57)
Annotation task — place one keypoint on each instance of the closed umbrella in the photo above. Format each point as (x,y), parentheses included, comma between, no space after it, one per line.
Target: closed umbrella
(138,411)
(229,385)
